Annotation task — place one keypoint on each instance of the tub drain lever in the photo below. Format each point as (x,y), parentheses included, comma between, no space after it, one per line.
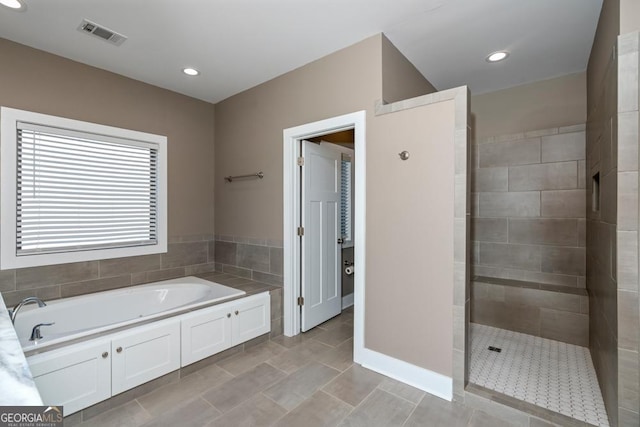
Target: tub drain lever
(35,332)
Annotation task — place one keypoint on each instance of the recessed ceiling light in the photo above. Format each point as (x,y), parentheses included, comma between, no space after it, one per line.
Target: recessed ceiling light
(190,71)
(13,4)
(497,56)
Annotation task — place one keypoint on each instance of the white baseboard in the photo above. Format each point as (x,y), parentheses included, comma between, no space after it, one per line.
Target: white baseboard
(347,301)
(424,379)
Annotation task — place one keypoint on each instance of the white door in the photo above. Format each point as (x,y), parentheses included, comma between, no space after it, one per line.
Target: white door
(321,286)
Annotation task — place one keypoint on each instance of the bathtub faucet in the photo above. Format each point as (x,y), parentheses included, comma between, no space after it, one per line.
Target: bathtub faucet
(13,313)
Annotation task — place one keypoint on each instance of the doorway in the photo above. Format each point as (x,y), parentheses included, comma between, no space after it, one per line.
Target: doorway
(293,213)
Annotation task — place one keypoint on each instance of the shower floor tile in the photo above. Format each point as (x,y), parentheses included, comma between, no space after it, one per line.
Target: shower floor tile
(551,374)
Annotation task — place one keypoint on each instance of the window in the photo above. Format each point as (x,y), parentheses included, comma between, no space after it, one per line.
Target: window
(76,191)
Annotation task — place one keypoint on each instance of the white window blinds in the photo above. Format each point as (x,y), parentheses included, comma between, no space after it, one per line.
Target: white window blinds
(345,199)
(79,191)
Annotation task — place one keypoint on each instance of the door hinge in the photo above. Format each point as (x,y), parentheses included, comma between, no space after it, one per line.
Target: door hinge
(300,231)
(300,161)
(300,301)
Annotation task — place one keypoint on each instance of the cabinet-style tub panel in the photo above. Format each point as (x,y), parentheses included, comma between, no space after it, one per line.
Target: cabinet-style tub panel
(145,353)
(76,378)
(82,374)
(205,333)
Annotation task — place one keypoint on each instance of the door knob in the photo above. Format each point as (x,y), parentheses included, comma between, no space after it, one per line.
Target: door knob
(237,312)
(228,314)
(119,349)
(105,354)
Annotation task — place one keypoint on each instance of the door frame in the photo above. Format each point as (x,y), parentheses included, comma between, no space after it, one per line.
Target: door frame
(291,211)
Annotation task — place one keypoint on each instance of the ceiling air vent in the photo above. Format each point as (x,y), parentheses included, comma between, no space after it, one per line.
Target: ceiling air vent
(101,32)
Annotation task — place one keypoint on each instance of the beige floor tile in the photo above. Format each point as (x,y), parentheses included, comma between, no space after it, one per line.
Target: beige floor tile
(335,336)
(296,357)
(482,419)
(250,358)
(320,410)
(403,390)
(333,322)
(290,342)
(379,409)
(295,388)
(353,385)
(130,414)
(196,412)
(340,357)
(165,397)
(438,412)
(257,412)
(241,388)
(213,375)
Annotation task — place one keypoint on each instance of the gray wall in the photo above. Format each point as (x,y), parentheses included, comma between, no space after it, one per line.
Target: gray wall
(528,216)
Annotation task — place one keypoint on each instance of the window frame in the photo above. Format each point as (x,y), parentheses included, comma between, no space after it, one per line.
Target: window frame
(9,118)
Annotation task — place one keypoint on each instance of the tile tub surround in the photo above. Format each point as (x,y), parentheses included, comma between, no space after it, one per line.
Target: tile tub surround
(16,383)
(528,210)
(547,311)
(186,256)
(258,259)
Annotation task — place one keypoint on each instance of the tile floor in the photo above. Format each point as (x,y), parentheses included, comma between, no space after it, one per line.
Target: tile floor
(547,373)
(308,381)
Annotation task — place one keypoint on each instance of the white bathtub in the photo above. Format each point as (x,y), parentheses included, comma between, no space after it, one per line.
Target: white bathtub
(94,313)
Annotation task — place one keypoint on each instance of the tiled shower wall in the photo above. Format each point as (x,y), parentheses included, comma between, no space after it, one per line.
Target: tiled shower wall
(528,213)
(626,236)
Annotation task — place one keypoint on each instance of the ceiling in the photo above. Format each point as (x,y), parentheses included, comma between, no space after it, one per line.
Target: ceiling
(238,44)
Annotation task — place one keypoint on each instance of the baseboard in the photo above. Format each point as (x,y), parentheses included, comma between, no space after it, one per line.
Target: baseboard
(347,301)
(415,376)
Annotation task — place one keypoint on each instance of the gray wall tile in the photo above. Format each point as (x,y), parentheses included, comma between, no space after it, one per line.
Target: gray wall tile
(276,262)
(582,174)
(525,319)
(225,252)
(544,231)
(627,258)
(97,285)
(547,176)
(489,179)
(509,153)
(170,273)
(524,257)
(561,147)
(628,320)
(36,277)
(271,279)
(489,229)
(182,254)
(629,379)
(572,328)
(627,208)
(563,260)
(524,204)
(119,266)
(7,280)
(563,204)
(253,257)
(628,141)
